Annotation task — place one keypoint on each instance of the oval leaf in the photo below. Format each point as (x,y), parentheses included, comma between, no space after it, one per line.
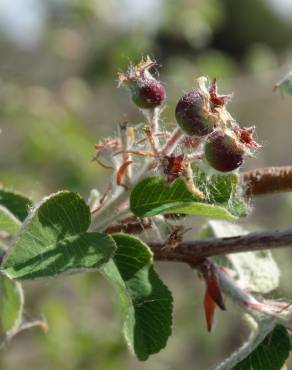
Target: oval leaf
(54,240)
(152,197)
(146,302)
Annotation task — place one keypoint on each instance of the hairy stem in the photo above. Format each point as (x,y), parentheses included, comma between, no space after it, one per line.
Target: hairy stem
(172,142)
(267,180)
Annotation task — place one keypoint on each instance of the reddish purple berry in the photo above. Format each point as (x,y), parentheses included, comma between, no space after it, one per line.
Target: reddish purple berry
(147,93)
(192,116)
(223,152)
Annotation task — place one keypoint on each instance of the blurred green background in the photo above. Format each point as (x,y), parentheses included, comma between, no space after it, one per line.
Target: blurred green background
(59,96)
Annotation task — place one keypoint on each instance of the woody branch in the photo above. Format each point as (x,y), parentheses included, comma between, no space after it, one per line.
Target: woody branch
(194,251)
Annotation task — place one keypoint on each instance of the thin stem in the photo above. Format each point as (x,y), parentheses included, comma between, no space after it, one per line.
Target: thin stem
(155,120)
(172,142)
(152,116)
(153,141)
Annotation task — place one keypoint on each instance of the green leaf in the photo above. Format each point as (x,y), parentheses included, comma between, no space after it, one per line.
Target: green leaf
(268,349)
(54,240)
(16,203)
(218,188)
(152,196)
(223,190)
(8,222)
(145,301)
(11,305)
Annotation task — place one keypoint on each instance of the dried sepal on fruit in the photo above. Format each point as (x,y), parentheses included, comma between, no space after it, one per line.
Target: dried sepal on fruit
(178,166)
(216,99)
(173,167)
(225,150)
(245,137)
(146,91)
(201,110)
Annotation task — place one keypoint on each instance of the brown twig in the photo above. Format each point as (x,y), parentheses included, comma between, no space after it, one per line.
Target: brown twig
(130,225)
(193,252)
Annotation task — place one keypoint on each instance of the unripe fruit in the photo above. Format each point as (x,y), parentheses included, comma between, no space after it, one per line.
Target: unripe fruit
(147,93)
(223,152)
(192,116)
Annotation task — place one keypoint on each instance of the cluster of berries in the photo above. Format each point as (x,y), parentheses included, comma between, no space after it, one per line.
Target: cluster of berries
(200,113)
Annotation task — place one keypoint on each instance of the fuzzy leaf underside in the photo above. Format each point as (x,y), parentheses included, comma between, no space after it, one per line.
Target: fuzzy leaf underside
(267,349)
(257,271)
(269,346)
